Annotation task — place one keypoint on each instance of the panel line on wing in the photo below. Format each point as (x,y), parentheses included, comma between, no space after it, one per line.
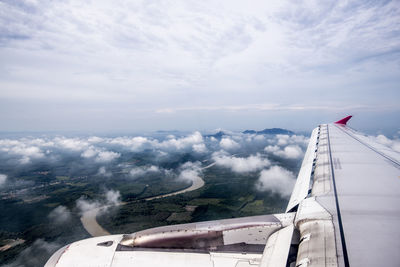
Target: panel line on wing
(393,161)
(345,255)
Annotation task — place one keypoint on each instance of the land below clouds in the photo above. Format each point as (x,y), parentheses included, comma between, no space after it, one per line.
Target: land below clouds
(47,182)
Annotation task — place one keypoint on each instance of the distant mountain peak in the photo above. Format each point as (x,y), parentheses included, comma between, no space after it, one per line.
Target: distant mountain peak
(217,135)
(269,131)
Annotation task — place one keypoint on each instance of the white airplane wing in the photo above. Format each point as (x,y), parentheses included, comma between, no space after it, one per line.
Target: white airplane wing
(344,211)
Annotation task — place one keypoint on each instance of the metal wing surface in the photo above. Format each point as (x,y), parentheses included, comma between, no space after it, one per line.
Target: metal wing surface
(344,211)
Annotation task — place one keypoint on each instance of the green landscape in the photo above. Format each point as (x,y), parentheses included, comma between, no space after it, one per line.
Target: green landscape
(43,201)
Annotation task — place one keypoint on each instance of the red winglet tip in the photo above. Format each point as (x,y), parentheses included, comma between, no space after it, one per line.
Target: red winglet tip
(344,120)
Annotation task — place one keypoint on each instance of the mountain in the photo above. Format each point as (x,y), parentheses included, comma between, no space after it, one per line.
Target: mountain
(217,135)
(270,131)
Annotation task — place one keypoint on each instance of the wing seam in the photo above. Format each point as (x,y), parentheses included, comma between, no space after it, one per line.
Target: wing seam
(345,255)
(393,161)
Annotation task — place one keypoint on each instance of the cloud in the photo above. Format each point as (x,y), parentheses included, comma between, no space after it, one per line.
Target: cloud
(138,143)
(314,44)
(140,171)
(35,255)
(392,143)
(103,172)
(193,141)
(74,144)
(90,152)
(190,171)
(284,139)
(106,156)
(289,152)
(84,205)
(100,155)
(112,198)
(241,165)
(277,180)
(24,149)
(60,215)
(228,144)
(199,148)
(3,179)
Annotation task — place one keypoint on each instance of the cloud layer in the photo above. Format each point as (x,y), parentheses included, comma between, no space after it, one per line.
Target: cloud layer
(151,65)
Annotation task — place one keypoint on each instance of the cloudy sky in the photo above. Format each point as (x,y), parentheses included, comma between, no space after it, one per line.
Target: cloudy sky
(151,65)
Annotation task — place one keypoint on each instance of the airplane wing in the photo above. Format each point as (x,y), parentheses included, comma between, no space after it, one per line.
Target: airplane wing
(344,211)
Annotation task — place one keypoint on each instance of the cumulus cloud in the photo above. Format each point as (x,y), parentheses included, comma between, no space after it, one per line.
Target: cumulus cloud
(140,171)
(228,144)
(284,139)
(392,143)
(100,155)
(74,144)
(111,198)
(241,165)
(137,143)
(85,205)
(103,172)
(3,179)
(90,152)
(276,179)
(106,156)
(190,171)
(289,152)
(199,148)
(24,149)
(60,215)
(182,143)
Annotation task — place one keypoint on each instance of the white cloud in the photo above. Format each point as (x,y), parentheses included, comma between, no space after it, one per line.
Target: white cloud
(100,155)
(84,205)
(392,143)
(103,172)
(112,198)
(289,152)
(140,171)
(60,215)
(272,149)
(24,149)
(74,144)
(228,144)
(90,152)
(137,143)
(3,179)
(284,139)
(276,179)
(186,142)
(199,148)
(241,165)
(107,156)
(95,139)
(190,171)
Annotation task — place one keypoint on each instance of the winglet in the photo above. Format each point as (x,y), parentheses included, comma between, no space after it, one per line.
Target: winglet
(344,120)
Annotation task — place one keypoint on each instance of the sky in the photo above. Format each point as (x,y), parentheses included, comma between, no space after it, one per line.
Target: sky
(107,66)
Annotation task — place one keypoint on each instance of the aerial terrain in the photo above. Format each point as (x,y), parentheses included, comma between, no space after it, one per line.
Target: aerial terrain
(57,189)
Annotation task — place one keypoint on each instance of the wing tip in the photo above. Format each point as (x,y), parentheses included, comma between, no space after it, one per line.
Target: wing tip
(344,120)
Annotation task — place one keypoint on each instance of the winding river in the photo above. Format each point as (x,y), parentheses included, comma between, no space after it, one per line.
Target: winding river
(91,225)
